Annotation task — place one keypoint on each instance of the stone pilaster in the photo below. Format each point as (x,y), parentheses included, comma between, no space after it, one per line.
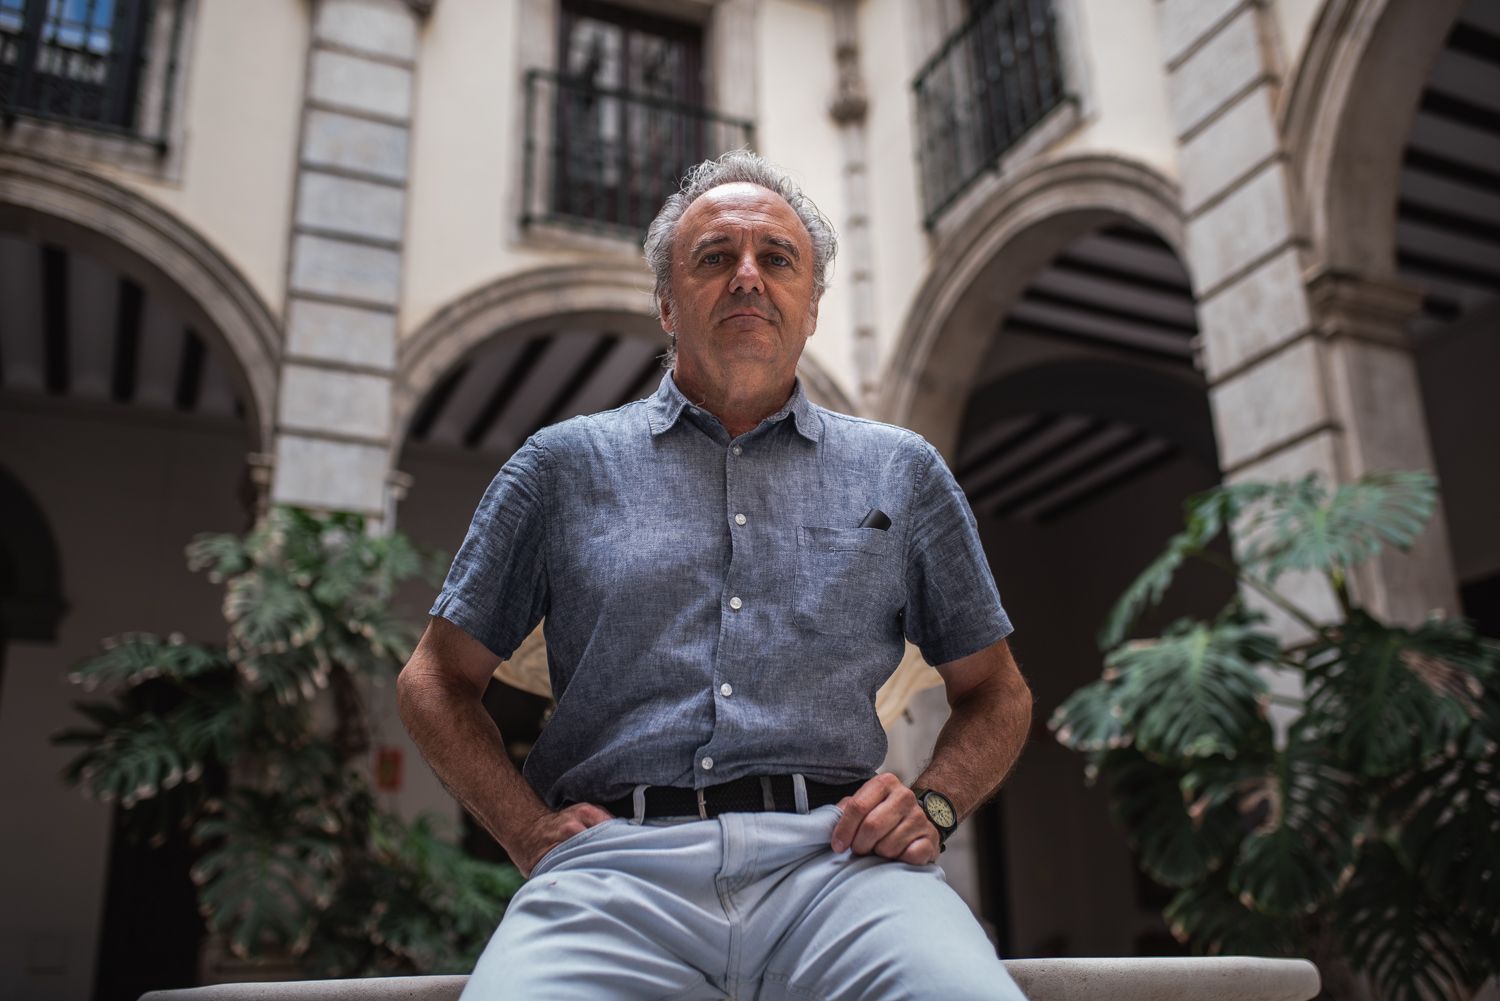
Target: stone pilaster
(1307,372)
(334,416)
(848,108)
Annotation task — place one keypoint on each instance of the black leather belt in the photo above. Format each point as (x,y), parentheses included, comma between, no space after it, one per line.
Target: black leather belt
(752,794)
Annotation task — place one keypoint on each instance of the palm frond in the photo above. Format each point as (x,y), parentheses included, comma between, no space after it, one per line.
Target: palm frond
(137,657)
(1207,516)
(269,869)
(1172,846)
(1447,822)
(1306,529)
(1212,922)
(1300,856)
(135,755)
(1387,698)
(1089,720)
(1394,930)
(1196,691)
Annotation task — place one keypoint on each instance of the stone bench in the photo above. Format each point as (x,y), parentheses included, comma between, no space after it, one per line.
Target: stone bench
(1226,978)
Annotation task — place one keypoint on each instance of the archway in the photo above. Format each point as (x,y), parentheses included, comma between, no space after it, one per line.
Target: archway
(1416,204)
(140,370)
(49,202)
(1050,355)
(982,268)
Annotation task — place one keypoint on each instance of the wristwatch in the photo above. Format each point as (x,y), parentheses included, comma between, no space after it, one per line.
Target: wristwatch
(939,810)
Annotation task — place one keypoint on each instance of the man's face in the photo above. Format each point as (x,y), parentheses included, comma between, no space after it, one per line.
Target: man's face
(742,304)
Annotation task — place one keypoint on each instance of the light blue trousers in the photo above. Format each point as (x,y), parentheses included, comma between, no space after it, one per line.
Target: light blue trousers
(748,906)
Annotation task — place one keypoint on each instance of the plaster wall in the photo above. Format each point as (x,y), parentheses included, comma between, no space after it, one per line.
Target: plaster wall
(242,108)
(1294,23)
(796,81)
(1121,85)
(129,496)
(889,59)
(464,197)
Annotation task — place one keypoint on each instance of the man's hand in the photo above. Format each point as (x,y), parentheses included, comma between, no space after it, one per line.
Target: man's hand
(551,829)
(885,818)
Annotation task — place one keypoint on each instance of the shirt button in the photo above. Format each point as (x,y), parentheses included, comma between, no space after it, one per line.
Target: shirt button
(739,519)
(735,603)
(693,411)
(736,450)
(707,763)
(726,689)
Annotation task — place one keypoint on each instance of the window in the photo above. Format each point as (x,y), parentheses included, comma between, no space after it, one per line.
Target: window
(78,61)
(989,84)
(610,134)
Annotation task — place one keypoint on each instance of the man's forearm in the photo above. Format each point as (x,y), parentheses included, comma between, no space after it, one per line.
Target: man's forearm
(979,744)
(462,744)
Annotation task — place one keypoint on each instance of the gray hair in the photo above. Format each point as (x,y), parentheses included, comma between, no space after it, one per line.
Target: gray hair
(736,166)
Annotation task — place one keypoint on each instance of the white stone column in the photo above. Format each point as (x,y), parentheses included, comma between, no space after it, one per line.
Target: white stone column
(334,416)
(1306,372)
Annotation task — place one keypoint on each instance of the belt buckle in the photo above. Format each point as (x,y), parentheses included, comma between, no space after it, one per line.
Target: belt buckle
(702,806)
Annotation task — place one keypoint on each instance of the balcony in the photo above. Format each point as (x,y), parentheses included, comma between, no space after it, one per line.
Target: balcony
(988,85)
(101,65)
(604,160)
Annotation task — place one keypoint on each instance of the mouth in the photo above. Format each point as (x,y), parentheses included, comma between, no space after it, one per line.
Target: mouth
(746,313)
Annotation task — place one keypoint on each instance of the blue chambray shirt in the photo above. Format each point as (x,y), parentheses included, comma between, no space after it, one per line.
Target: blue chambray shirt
(713,609)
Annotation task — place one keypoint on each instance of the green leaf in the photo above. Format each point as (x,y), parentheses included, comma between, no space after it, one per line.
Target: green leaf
(1447,819)
(137,657)
(269,614)
(269,869)
(1394,930)
(1212,922)
(136,754)
(1089,720)
(223,556)
(1303,529)
(1299,857)
(1172,846)
(1207,516)
(1387,698)
(1194,693)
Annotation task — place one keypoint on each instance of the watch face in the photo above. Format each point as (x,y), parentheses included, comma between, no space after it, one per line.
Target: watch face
(939,809)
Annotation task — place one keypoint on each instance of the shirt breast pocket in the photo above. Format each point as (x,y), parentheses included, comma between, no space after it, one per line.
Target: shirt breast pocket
(844,579)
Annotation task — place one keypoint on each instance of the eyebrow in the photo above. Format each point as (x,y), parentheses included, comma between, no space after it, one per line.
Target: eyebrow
(709,240)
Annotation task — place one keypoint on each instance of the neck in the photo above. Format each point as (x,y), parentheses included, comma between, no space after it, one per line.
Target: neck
(737,409)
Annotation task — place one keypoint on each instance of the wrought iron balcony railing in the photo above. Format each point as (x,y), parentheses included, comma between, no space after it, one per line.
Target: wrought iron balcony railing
(606,159)
(104,65)
(991,81)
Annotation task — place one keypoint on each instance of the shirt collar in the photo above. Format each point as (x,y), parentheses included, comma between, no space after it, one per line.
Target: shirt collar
(665,406)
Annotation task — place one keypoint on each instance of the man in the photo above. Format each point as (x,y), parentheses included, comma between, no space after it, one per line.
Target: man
(727,573)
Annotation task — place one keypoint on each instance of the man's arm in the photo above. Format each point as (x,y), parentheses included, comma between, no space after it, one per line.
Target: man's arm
(976,749)
(440,693)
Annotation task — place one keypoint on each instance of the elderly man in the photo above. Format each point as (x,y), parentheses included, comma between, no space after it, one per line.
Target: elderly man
(727,574)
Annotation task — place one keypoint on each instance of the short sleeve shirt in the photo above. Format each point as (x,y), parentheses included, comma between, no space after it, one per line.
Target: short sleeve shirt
(719,607)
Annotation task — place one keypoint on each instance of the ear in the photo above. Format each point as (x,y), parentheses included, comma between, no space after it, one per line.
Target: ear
(668,322)
(812,315)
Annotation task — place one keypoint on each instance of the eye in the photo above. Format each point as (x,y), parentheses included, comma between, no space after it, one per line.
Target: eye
(780,260)
(713,259)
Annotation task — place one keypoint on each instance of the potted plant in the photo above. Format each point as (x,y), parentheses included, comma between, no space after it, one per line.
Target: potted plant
(259,747)
(1363,827)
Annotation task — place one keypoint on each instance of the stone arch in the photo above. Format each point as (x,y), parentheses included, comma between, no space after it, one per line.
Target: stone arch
(1346,120)
(52,200)
(614,293)
(980,270)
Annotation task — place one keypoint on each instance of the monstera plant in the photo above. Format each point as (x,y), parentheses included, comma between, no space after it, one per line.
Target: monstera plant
(1360,822)
(259,747)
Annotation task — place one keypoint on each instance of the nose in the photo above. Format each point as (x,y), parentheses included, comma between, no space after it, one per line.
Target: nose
(747,276)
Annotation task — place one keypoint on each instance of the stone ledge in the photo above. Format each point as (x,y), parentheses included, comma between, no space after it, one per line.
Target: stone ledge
(1221,978)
